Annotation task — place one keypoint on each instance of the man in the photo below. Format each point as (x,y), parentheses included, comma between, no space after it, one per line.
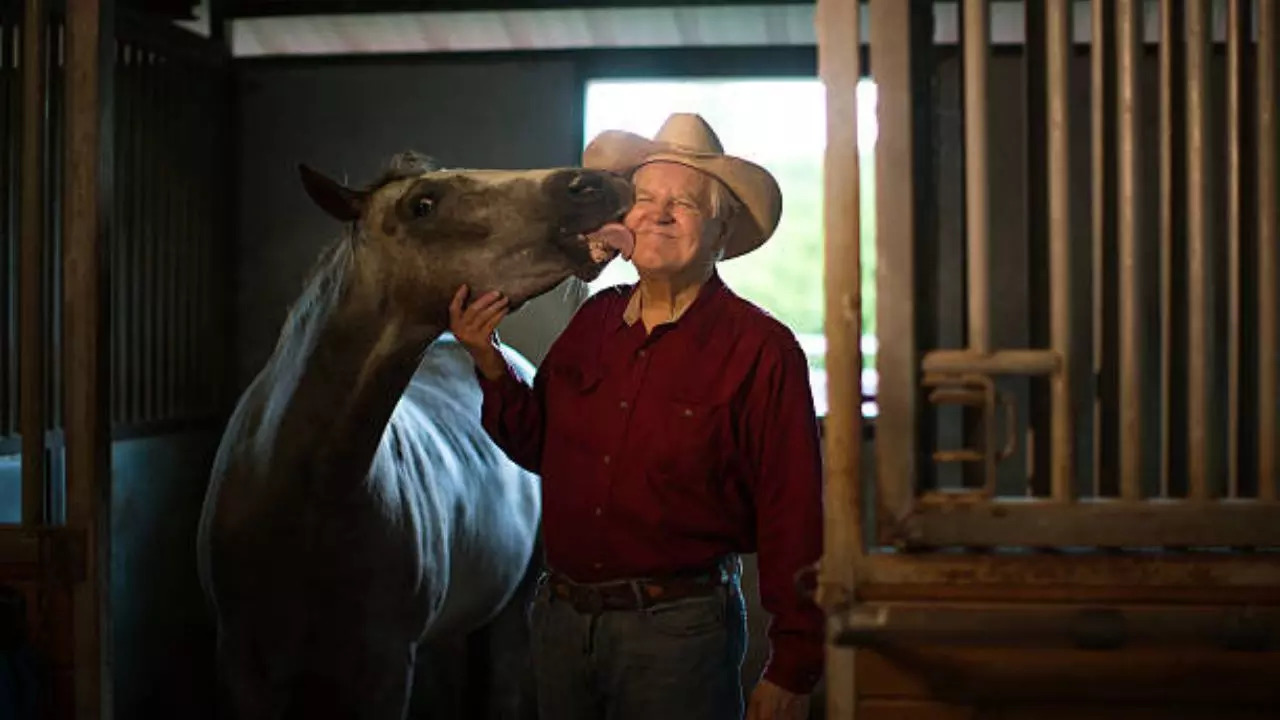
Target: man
(673,427)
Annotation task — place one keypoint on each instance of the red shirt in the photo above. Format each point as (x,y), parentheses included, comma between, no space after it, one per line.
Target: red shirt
(662,452)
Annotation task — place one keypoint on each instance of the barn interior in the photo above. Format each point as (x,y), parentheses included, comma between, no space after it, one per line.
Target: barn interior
(1092,236)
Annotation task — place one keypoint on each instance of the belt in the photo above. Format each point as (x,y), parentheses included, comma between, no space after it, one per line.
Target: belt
(641,593)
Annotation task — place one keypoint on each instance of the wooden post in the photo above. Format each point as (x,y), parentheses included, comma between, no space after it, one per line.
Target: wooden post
(87,171)
(839,46)
(31,261)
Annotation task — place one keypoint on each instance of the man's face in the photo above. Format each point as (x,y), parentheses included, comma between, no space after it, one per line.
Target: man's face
(671,219)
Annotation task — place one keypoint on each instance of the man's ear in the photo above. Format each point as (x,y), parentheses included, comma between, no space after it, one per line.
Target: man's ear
(336,199)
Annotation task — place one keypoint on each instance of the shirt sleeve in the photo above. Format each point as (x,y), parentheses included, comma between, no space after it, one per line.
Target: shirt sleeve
(781,429)
(512,413)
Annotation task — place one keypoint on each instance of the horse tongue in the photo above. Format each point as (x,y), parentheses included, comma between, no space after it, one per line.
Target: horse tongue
(616,236)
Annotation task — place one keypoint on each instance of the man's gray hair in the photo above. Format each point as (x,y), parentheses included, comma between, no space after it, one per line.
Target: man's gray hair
(722,201)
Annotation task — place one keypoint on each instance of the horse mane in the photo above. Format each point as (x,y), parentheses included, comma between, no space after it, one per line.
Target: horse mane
(324,278)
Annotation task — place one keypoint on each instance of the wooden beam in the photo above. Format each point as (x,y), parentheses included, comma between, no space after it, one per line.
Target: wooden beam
(1209,577)
(1045,626)
(89,59)
(939,521)
(839,55)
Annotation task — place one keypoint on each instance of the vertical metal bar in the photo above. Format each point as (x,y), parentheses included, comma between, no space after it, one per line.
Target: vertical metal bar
(1199,262)
(977,230)
(897,361)
(1129,236)
(1268,97)
(1235,38)
(31,261)
(1168,203)
(1058,76)
(839,46)
(1100,230)
(86,212)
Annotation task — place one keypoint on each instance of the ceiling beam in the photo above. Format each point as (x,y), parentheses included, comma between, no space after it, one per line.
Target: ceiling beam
(265,8)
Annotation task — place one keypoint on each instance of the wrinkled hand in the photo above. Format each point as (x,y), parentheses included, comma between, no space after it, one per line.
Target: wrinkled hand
(770,702)
(474,327)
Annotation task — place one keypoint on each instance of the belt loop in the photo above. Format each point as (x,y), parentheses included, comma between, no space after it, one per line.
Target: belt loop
(640,597)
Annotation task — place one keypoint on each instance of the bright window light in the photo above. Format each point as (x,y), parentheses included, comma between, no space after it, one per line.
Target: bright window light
(781,125)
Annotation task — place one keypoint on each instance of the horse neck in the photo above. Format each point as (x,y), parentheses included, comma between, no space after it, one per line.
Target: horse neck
(344,358)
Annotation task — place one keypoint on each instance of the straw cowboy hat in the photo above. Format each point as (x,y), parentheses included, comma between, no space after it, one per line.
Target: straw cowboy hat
(687,139)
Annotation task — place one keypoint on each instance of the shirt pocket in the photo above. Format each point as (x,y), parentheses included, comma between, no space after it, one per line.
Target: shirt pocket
(694,435)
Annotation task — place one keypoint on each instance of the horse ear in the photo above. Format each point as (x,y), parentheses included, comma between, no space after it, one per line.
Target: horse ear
(333,197)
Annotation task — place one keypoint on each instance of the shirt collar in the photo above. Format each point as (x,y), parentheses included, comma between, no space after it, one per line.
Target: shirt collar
(631,311)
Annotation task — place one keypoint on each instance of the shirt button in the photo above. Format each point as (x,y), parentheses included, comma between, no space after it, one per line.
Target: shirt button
(606,459)
(641,353)
(599,512)
(623,404)
(597,566)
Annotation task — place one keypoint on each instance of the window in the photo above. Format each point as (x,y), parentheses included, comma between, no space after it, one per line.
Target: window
(780,124)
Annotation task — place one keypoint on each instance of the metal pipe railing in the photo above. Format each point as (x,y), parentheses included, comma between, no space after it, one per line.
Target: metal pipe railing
(1057,70)
(1168,227)
(1235,210)
(1099,229)
(977,204)
(1200,368)
(1268,239)
(1128,30)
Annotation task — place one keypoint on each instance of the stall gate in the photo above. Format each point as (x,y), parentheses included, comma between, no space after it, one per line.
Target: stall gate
(1127,567)
(114,311)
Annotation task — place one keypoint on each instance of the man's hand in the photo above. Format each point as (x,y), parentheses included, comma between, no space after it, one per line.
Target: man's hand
(770,702)
(474,328)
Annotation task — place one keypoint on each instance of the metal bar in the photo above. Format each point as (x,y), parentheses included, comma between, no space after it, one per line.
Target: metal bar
(1235,41)
(86,212)
(977,207)
(964,520)
(1000,362)
(839,48)
(1267,98)
(1103,413)
(1129,236)
(1199,261)
(1058,87)
(31,261)
(896,231)
(1168,225)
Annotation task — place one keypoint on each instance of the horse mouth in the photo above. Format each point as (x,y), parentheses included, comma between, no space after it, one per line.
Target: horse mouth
(596,248)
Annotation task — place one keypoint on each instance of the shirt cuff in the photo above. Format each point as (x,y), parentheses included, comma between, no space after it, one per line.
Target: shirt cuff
(792,674)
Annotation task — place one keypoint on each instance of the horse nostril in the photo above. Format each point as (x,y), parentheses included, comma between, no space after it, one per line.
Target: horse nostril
(586,184)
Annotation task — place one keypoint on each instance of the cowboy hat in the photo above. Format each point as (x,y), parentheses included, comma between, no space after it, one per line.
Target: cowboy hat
(687,139)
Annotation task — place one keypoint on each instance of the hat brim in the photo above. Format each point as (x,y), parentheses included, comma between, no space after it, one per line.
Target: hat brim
(754,187)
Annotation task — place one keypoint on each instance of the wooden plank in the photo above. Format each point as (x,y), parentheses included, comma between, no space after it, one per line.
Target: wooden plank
(87,197)
(896,360)
(53,553)
(1042,626)
(1133,577)
(1007,676)
(839,51)
(937,521)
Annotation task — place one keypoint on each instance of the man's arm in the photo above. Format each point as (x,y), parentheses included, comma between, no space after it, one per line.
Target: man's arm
(781,431)
(512,413)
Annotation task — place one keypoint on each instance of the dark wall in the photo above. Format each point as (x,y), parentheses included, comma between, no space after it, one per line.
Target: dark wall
(348,119)
(164,634)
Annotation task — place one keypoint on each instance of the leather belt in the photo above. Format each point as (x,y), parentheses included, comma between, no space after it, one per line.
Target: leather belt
(641,593)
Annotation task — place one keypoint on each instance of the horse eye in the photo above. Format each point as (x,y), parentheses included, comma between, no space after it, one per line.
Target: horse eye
(423,206)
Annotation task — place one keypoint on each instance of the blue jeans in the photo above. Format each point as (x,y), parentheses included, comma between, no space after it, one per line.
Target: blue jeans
(679,660)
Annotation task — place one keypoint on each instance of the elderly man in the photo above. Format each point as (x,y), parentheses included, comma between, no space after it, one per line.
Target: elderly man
(673,427)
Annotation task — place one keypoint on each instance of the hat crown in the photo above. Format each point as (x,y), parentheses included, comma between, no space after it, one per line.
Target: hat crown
(691,132)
